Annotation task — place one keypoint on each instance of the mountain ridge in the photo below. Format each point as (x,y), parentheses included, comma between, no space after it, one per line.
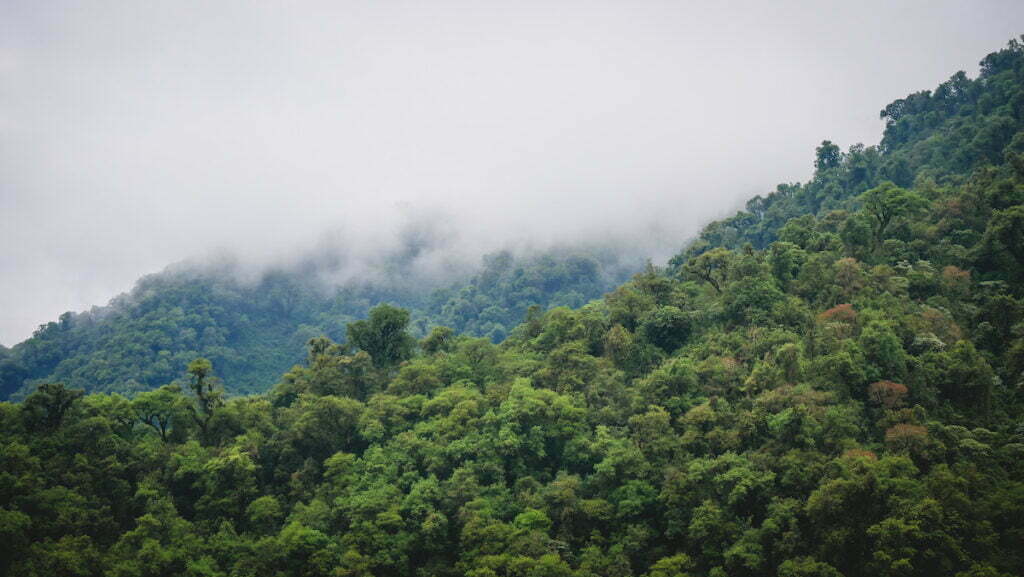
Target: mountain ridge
(237,319)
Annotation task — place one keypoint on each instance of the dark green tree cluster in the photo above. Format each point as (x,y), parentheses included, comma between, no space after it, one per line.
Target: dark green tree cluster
(837,394)
(940,135)
(496,300)
(254,331)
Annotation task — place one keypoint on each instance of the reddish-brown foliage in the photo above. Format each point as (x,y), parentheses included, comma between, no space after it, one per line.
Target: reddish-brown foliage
(843,313)
(951,208)
(731,363)
(954,274)
(956,280)
(860,454)
(887,393)
(904,437)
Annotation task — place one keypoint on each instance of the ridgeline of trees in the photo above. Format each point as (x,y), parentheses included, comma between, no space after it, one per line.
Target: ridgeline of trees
(256,331)
(830,383)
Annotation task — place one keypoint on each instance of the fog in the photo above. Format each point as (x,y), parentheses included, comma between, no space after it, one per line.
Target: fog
(137,134)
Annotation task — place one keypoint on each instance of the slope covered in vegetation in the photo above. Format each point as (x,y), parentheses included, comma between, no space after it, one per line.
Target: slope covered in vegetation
(827,384)
(255,330)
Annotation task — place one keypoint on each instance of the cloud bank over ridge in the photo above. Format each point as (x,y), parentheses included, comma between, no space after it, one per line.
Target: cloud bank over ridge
(136,135)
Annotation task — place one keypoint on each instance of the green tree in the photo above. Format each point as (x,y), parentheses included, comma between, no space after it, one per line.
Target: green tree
(666,327)
(827,156)
(46,408)
(1006,231)
(383,335)
(711,267)
(807,567)
(887,202)
(209,395)
(162,410)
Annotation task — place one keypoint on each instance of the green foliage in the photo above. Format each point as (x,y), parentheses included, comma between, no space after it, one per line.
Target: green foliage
(886,203)
(383,335)
(254,331)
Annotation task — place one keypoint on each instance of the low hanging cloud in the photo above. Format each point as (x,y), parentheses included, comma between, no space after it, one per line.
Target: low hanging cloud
(134,135)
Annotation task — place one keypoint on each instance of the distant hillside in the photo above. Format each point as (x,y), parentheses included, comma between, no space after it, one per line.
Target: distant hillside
(254,330)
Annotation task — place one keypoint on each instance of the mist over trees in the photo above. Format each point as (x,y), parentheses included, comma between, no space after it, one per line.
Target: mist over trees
(256,328)
(828,383)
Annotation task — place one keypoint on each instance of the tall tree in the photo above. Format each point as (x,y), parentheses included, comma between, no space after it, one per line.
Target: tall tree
(885,203)
(383,335)
(209,394)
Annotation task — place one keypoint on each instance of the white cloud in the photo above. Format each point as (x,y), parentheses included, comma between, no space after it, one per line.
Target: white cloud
(133,135)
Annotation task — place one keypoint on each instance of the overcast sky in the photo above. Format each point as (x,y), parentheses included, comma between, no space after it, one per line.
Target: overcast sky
(137,134)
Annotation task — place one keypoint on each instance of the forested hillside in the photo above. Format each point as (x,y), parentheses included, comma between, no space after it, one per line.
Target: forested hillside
(826,384)
(254,330)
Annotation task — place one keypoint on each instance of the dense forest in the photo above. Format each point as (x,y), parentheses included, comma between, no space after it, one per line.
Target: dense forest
(828,383)
(256,329)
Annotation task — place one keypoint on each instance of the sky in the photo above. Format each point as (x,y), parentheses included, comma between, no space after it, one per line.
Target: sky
(138,134)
